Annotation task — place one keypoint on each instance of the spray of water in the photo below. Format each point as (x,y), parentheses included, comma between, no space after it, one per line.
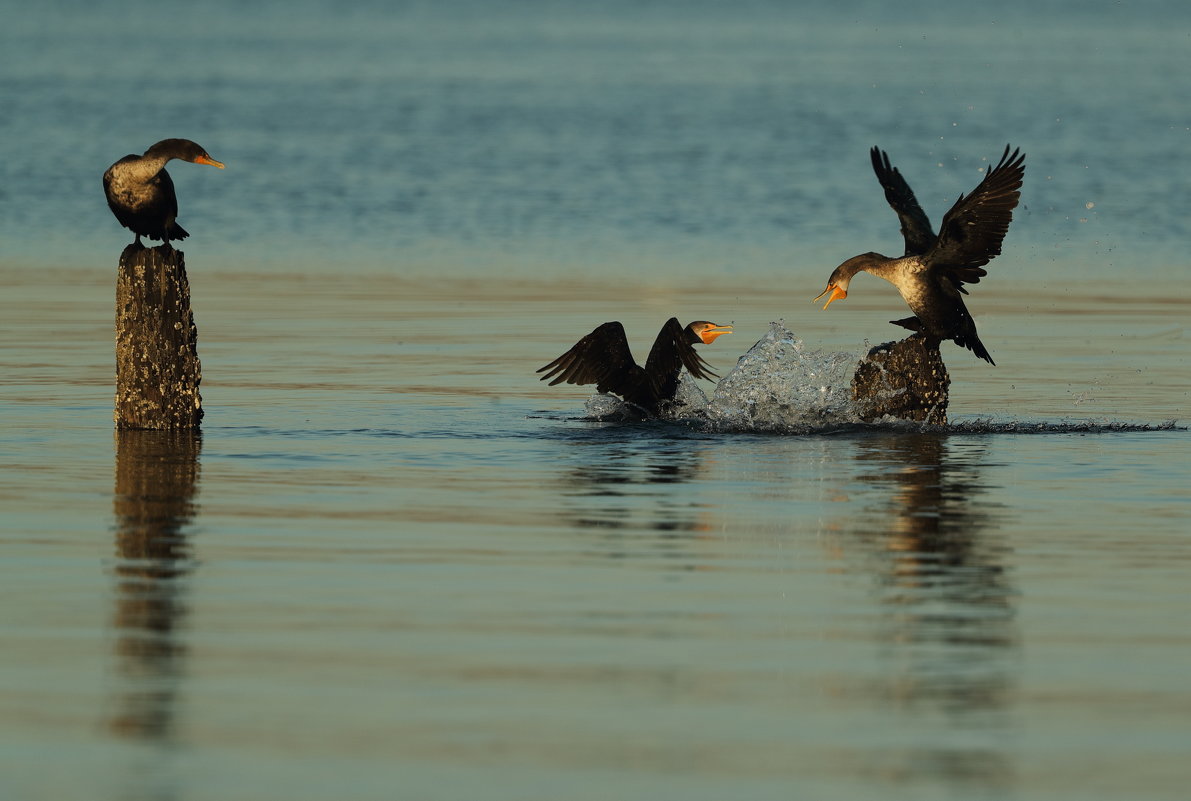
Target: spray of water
(780,385)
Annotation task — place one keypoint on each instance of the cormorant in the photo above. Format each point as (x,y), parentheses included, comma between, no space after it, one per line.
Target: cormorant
(603,358)
(141,194)
(932,273)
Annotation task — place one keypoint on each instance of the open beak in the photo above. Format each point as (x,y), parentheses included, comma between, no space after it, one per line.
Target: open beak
(836,294)
(209,160)
(708,335)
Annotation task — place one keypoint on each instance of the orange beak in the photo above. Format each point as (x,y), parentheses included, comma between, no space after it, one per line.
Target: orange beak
(836,294)
(209,160)
(708,335)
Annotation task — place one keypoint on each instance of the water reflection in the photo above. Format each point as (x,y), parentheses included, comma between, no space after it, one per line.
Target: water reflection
(156,481)
(619,486)
(946,630)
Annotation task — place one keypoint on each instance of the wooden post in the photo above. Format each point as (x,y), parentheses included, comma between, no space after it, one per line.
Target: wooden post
(905,379)
(157,364)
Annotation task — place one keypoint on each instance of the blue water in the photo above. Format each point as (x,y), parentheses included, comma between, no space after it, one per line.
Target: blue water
(531,137)
(396,565)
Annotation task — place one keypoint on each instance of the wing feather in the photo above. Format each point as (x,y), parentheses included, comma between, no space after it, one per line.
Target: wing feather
(602,358)
(672,351)
(916,227)
(972,231)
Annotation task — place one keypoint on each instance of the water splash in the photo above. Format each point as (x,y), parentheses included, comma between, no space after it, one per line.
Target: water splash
(690,403)
(778,385)
(986,426)
(782,386)
(606,407)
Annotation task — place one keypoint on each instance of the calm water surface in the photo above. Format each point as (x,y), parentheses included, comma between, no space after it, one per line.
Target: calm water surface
(397,568)
(395,565)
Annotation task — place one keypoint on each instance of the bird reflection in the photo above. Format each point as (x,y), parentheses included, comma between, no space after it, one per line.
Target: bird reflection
(948,630)
(156,481)
(620,487)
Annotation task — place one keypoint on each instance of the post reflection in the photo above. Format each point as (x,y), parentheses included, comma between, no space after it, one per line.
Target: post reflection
(948,630)
(156,481)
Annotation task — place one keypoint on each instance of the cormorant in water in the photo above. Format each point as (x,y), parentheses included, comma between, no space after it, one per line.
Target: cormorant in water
(141,194)
(932,273)
(603,358)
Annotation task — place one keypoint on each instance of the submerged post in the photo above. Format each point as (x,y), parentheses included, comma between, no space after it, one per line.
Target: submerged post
(905,379)
(157,364)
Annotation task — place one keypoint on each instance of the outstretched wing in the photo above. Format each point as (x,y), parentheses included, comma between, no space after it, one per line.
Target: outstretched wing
(601,358)
(916,229)
(972,231)
(672,351)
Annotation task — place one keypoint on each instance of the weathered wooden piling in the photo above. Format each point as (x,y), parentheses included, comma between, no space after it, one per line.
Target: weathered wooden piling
(905,379)
(157,364)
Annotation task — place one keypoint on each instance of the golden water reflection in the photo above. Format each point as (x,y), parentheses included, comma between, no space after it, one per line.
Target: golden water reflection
(915,519)
(947,630)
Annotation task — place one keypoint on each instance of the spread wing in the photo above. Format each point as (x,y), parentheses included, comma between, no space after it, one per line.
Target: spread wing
(672,351)
(972,231)
(601,358)
(916,230)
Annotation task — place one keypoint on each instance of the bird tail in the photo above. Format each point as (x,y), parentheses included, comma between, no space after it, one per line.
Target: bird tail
(973,343)
(968,339)
(176,232)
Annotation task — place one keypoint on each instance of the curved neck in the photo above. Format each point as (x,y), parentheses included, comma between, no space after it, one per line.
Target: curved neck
(873,263)
(145,167)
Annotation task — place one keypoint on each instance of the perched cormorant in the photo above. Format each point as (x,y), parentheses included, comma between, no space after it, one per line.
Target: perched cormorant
(932,273)
(141,194)
(603,358)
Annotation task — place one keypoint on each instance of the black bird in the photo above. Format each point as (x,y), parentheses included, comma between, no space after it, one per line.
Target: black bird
(932,273)
(603,358)
(141,194)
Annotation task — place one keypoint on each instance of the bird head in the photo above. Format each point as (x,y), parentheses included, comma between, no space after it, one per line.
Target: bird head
(837,288)
(841,276)
(706,332)
(183,149)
